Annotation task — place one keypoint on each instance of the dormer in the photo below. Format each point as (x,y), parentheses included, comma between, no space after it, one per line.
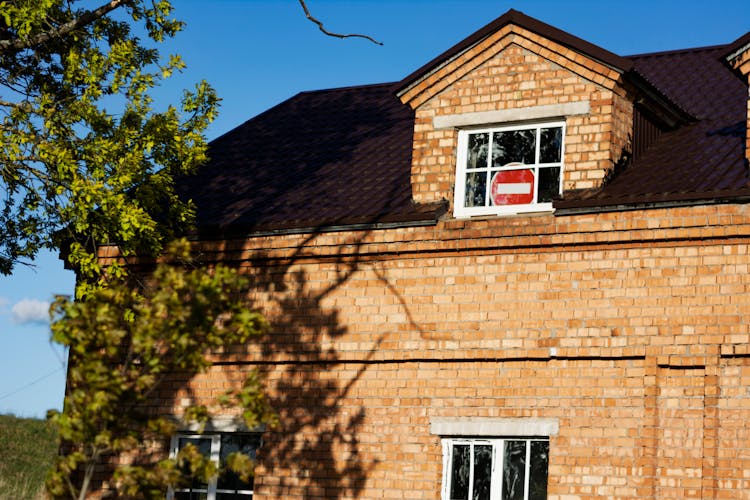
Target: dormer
(520,113)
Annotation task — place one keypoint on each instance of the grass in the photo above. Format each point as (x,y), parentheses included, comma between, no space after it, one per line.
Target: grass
(27,450)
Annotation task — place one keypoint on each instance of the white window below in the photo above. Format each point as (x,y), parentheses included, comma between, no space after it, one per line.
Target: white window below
(227,485)
(495,469)
(509,169)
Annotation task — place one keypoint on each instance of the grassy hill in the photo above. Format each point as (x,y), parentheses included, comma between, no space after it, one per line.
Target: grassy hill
(27,451)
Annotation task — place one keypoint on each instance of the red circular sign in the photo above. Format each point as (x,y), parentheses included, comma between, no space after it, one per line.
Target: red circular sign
(513,187)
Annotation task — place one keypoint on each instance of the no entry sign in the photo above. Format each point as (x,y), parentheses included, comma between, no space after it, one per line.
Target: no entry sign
(513,187)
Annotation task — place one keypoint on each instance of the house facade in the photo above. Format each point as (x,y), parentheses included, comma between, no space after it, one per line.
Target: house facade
(519,273)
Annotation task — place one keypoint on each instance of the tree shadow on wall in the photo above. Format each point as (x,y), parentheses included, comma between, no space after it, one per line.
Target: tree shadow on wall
(317,426)
(315,451)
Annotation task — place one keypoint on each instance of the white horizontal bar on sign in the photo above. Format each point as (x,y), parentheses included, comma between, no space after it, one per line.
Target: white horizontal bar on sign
(516,188)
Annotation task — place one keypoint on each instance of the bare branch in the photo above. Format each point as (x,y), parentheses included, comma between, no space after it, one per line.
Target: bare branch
(330,33)
(86,18)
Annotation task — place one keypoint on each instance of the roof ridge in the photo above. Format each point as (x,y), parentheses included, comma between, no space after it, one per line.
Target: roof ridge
(529,23)
(347,87)
(705,48)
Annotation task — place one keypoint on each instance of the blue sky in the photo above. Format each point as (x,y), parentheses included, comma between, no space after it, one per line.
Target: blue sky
(259,53)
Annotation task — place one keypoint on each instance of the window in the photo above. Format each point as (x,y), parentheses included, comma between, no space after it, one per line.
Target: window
(227,485)
(495,469)
(509,169)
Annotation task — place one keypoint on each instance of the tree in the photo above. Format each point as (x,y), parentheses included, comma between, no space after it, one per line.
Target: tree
(126,343)
(87,160)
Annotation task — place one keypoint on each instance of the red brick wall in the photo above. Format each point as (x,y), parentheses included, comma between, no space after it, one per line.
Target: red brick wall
(629,328)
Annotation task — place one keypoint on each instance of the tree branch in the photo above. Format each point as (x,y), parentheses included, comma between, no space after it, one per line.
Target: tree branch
(330,33)
(86,18)
(23,106)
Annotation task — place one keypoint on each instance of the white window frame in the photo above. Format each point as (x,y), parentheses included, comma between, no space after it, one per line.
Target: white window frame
(212,488)
(498,457)
(460,211)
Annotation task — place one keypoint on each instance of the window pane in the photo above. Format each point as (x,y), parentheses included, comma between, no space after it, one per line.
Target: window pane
(482,471)
(246,444)
(203,444)
(538,470)
(460,467)
(204,447)
(513,146)
(476,189)
(514,470)
(476,156)
(550,145)
(549,184)
(233,496)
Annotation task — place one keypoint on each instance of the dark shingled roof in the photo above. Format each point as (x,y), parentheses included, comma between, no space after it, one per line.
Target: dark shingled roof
(342,157)
(698,162)
(326,158)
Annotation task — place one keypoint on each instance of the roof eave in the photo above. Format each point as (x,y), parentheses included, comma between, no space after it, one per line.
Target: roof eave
(734,51)
(647,202)
(421,215)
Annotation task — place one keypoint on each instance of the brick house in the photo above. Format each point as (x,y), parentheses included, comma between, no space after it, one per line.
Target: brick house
(521,272)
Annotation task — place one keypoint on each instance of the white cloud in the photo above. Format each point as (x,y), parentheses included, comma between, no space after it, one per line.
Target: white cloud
(31,311)
(3,302)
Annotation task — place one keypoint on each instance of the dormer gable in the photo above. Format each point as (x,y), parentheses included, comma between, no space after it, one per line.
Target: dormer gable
(518,79)
(455,62)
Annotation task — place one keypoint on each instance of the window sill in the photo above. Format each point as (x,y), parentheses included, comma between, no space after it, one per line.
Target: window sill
(539,211)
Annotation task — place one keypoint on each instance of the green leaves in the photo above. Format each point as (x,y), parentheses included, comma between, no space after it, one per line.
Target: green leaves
(241,464)
(253,402)
(197,464)
(127,344)
(86,160)
(84,157)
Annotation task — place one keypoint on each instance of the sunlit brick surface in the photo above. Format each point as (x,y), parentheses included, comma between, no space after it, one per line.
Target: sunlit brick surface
(629,328)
